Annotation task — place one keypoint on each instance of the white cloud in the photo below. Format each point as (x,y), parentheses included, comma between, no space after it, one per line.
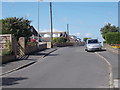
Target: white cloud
(27,15)
(48,30)
(88,34)
(77,34)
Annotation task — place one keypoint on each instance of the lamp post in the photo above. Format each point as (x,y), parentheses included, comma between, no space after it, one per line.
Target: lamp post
(38,21)
(38,18)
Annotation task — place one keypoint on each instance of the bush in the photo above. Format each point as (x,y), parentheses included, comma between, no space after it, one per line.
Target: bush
(59,40)
(31,43)
(113,38)
(104,41)
(5,52)
(85,39)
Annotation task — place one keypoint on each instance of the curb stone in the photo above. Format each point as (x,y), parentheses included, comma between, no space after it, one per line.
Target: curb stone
(111,82)
(28,64)
(18,68)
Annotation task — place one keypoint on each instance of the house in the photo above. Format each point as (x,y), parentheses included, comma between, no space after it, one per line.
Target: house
(46,36)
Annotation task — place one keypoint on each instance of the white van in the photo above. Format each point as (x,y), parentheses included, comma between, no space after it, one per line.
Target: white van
(93,45)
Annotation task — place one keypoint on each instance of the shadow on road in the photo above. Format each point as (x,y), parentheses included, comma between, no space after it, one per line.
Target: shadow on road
(7,81)
(53,54)
(98,51)
(101,50)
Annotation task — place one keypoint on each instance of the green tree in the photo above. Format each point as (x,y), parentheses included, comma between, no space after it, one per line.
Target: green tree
(19,27)
(85,39)
(108,28)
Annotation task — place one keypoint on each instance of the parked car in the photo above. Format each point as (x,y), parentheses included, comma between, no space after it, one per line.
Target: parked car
(93,45)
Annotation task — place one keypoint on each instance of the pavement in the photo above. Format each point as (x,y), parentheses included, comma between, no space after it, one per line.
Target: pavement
(19,64)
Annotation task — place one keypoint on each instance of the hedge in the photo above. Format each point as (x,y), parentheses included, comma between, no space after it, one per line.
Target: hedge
(113,37)
(59,40)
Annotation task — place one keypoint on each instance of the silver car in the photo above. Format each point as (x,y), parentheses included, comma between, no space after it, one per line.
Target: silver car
(93,45)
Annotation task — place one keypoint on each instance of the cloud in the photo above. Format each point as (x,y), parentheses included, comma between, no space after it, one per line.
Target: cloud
(27,15)
(48,30)
(88,34)
(77,34)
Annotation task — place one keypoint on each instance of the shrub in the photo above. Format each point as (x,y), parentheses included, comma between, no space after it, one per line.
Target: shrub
(85,39)
(31,43)
(5,52)
(113,38)
(104,41)
(59,40)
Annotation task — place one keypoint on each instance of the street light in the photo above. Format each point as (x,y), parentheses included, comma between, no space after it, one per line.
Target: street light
(38,18)
(38,21)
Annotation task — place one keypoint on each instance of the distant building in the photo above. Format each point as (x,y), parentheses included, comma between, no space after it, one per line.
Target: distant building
(45,36)
(74,38)
(33,31)
(34,35)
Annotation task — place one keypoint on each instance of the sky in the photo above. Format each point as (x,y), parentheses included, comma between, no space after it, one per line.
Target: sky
(84,18)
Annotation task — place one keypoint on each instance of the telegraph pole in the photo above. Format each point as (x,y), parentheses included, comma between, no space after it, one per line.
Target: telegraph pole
(51,23)
(68,29)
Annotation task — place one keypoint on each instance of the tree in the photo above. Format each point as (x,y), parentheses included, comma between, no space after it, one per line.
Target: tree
(85,39)
(19,27)
(108,28)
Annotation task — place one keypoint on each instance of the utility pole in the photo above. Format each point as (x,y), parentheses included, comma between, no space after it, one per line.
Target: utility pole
(68,29)
(51,24)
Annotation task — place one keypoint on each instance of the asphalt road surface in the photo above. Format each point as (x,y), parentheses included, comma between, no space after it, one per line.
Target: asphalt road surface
(68,67)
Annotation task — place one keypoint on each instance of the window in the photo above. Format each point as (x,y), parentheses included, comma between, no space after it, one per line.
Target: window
(92,41)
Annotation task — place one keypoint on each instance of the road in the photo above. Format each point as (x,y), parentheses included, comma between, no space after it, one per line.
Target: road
(68,67)
(113,58)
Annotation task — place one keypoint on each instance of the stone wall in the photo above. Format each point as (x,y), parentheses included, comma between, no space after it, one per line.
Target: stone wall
(3,45)
(18,47)
(7,58)
(30,49)
(69,44)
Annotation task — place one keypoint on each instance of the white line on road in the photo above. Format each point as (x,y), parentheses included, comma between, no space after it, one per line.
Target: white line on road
(111,82)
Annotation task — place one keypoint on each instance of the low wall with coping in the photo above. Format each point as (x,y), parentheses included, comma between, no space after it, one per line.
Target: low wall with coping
(32,49)
(63,44)
(109,48)
(69,44)
(7,58)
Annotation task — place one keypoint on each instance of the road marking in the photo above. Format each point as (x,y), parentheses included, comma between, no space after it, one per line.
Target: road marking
(116,83)
(111,81)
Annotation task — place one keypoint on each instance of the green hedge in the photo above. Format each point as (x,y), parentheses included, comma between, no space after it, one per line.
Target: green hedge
(59,40)
(113,37)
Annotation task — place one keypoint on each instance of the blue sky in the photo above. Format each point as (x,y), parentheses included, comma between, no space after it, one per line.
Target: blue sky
(84,18)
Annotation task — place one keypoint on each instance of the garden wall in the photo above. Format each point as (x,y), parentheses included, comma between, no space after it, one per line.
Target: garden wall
(4,39)
(32,49)
(7,58)
(69,44)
